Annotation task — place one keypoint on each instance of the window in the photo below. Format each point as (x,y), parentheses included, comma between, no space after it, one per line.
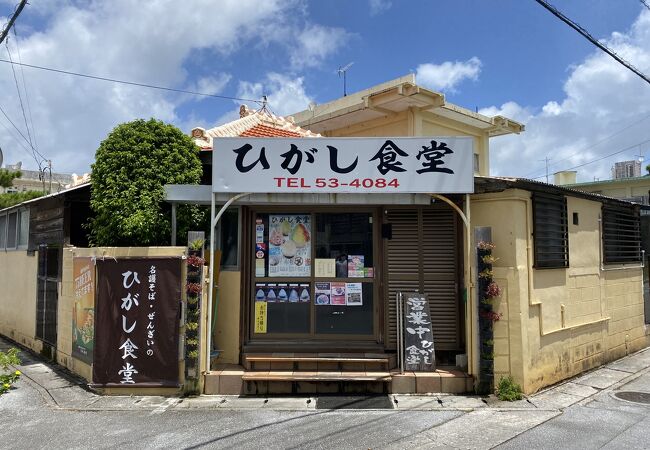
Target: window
(14,230)
(12,220)
(550,231)
(3,231)
(228,239)
(621,235)
(313,274)
(23,228)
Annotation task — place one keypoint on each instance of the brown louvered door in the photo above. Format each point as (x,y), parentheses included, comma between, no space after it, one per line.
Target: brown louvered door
(423,255)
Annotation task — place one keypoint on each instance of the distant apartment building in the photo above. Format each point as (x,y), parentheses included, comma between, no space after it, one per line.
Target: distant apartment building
(626,169)
(33,180)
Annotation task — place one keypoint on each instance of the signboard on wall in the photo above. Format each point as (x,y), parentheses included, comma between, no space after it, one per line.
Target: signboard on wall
(344,165)
(137,321)
(83,310)
(418,348)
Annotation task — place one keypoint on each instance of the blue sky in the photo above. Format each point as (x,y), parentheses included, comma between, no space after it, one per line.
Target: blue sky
(508,57)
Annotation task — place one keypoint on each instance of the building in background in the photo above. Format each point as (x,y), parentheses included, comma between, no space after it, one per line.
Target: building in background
(33,180)
(626,169)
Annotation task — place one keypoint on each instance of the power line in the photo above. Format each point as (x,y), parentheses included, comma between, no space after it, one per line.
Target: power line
(23,136)
(592,145)
(644,3)
(602,157)
(22,75)
(17,12)
(591,39)
(130,83)
(20,97)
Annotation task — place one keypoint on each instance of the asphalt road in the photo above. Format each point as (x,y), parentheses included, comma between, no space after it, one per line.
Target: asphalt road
(50,411)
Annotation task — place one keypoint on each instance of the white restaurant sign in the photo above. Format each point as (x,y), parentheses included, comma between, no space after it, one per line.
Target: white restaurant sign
(343,165)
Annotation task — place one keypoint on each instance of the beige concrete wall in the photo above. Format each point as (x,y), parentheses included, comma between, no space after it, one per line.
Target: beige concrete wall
(66,304)
(18,273)
(557,322)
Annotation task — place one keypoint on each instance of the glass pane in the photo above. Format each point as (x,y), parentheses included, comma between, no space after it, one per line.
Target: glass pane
(53,254)
(287,308)
(283,245)
(353,314)
(229,238)
(11,230)
(23,231)
(3,229)
(347,238)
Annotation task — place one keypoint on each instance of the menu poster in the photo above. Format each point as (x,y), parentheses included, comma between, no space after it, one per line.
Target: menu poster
(279,293)
(353,294)
(289,245)
(325,268)
(338,294)
(323,293)
(260,268)
(355,266)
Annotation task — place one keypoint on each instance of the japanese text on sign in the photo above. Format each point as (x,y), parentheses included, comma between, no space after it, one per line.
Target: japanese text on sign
(418,334)
(410,165)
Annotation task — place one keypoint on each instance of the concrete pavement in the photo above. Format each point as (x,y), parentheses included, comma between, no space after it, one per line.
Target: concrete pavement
(51,409)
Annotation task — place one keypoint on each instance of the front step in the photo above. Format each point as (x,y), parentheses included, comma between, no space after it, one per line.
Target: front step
(333,362)
(235,380)
(316,376)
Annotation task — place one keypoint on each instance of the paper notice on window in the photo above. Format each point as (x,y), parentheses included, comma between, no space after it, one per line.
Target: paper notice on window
(325,268)
(260,268)
(323,293)
(260,317)
(355,266)
(353,294)
(338,294)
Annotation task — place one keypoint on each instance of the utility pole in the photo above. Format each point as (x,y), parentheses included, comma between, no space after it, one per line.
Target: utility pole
(547,159)
(49,166)
(19,9)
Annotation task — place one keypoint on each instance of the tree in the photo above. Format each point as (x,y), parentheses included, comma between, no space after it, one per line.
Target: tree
(131,167)
(7,177)
(14,198)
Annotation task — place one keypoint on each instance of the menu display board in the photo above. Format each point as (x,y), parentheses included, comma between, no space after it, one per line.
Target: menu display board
(418,348)
(289,245)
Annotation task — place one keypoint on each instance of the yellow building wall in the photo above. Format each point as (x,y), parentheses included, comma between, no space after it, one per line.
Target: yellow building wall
(228,295)
(66,305)
(557,322)
(18,273)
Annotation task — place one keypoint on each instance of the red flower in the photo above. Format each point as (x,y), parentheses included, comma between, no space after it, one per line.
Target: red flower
(493,290)
(195,261)
(193,288)
(491,315)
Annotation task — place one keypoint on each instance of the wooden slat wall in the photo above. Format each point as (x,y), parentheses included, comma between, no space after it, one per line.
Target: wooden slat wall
(423,255)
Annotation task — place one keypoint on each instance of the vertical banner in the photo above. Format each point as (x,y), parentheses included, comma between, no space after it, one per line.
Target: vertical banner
(137,321)
(83,310)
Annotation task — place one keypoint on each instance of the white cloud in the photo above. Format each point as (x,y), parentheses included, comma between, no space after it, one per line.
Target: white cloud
(149,42)
(446,76)
(601,98)
(285,95)
(379,6)
(315,43)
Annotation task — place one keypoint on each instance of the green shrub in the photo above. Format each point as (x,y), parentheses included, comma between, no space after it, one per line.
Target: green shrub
(10,358)
(507,390)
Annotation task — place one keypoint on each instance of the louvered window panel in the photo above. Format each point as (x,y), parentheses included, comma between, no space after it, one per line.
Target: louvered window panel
(550,231)
(423,256)
(621,235)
